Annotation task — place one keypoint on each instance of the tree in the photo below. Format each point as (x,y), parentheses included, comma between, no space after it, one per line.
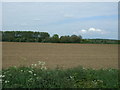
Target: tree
(65,39)
(55,38)
(8,36)
(43,35)
(30,36)
(75,39)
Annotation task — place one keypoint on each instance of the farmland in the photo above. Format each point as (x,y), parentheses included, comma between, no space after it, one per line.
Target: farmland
(83,65)
(59,45)
(62,55)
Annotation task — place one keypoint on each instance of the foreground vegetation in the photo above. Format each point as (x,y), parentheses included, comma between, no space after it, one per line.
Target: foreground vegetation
(29,36)
(41,77)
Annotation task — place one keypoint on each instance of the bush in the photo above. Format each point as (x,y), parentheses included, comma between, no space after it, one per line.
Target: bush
(31,77)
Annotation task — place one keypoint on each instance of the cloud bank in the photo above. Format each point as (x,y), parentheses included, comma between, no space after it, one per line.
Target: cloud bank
(91,30)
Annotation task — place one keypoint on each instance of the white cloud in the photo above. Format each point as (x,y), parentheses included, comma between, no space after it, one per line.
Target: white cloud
(94,30)
(83,31)
(91,31)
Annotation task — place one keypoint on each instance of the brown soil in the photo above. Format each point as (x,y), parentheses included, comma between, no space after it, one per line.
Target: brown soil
(62,55)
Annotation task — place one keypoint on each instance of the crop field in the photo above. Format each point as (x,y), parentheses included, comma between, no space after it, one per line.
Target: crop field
(86,65)
(61,55)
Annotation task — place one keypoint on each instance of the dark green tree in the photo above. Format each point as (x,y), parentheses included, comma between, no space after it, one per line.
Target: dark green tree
(55,38)
(65,39)
(75,39)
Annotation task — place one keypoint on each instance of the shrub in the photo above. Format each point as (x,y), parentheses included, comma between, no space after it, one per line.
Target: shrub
(36,77)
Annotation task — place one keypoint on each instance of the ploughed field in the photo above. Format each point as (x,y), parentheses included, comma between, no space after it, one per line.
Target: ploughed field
(62,55)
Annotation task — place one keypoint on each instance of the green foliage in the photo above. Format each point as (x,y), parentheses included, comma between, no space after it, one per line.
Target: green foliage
(29,36)
(65,39)
(28,77)
(100,41)
(55,38)
(24,36)
(75,39)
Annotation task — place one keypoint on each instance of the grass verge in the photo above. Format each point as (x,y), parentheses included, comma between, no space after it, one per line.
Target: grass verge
(79,77)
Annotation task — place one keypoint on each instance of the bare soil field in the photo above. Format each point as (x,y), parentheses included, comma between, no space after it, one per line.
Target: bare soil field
(62,55)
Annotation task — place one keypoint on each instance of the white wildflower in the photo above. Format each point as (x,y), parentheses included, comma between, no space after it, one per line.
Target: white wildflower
(100,81)
(43,63)
(94,82)
(34,74)
(30,72)
(35,65)
(7,81)
(43,68)
(30,79)
(21,70)
(71,77)
(39,62)
(2,76)
(110,70)
(83,68)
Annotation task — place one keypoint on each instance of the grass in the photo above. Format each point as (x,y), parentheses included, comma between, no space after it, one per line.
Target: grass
(79,77)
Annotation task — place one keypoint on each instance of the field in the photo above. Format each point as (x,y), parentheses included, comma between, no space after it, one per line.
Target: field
(81,65)
(62,55)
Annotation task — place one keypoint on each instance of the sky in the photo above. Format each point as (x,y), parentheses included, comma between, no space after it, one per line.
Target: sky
(89,19)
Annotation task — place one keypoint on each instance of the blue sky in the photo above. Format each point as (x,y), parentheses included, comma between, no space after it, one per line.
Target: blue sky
(89,19)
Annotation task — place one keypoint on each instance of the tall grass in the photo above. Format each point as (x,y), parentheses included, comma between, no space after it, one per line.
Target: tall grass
(79,77)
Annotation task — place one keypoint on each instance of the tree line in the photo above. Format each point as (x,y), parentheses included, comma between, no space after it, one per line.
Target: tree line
(30,36)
